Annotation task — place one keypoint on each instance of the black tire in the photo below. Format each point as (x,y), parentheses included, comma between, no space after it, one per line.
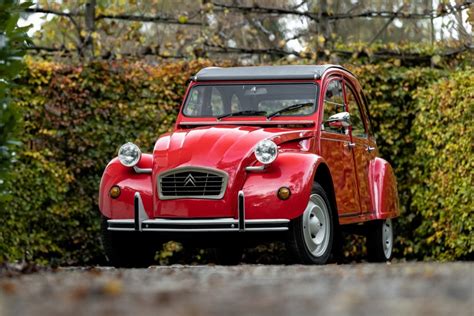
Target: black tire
(376,251)
(229,256)
(126,249)
(296,241)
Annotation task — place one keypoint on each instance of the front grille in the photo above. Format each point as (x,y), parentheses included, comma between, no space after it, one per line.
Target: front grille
(192,183)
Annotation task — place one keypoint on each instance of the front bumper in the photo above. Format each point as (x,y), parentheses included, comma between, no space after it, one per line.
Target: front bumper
(141,222)
(199,225)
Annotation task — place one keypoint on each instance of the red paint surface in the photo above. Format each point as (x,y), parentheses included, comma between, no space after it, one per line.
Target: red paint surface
(364,185)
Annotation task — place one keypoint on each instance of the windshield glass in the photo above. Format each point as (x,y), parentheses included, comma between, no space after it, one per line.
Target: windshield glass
(251,100)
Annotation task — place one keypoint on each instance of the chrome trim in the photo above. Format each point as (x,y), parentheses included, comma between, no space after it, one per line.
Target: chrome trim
(267,229)
(269,221)
(255,168)
(202,221)
(370,149)
(140,214)
(213,225)
(164,221)
(191,230)
(223,174)
(121,221)
(349,145)
(121,229)
(241,210)
(343,117)
(142,170)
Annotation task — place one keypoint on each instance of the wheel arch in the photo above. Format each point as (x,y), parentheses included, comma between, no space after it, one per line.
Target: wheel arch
(129,182)
(324,178)
(383,187)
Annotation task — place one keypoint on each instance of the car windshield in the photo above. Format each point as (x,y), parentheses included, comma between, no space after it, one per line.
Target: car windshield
(225,100)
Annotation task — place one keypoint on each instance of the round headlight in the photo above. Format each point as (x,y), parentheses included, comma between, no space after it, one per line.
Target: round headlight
(129,154)
(266,151)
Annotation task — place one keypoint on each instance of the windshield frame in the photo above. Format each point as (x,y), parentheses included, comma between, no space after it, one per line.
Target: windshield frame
(259,83)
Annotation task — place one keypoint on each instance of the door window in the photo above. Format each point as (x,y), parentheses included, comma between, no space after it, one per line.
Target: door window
(358,128)
(333,104)
(365,111)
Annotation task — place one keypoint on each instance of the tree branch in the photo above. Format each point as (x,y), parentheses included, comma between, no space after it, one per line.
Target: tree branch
(124,17)
(385,26)
(257,9)
(381,54)
(108,55)
(255,51)
(68,15)
(48,11)
(144,18)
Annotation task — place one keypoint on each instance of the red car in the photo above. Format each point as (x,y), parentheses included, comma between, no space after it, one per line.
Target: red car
(272,152)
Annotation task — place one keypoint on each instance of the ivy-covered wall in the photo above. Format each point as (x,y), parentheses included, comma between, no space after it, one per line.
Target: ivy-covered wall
(76,117)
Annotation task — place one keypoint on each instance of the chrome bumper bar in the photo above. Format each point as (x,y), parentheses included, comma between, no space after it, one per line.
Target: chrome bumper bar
(141,222)
(199,225)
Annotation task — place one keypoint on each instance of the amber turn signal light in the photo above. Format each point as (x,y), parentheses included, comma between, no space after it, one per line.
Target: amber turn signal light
(114,192)
(284,193)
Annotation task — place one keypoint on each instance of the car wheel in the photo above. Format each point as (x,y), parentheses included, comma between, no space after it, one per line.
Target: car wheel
(380,240)
(126,249)
(312,234)
(229,256)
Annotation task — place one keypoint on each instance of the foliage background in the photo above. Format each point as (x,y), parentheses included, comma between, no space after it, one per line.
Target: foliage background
(13,40)
(74,117)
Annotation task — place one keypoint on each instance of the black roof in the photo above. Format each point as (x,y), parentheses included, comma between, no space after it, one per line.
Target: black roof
(287,72)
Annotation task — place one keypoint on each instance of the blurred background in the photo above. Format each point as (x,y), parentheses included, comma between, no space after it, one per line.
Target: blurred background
(80,78)
(247,30)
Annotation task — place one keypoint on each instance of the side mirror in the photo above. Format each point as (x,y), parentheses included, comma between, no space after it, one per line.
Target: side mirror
(338,120)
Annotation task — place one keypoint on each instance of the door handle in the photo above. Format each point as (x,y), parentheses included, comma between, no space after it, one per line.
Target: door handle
(370,149)
(350,145)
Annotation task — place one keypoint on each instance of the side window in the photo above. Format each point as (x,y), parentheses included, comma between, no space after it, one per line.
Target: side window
(217,103)
(194,105)
(205,101)
(358,129)
(234,103)
(333,103)
(365,110)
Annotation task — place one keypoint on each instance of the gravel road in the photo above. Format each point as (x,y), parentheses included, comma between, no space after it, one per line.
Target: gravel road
(361,289)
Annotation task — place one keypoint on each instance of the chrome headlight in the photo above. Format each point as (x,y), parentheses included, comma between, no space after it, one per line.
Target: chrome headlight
(266,151)
(129,154)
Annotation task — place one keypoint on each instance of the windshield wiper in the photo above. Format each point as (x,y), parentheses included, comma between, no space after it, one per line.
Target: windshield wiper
(289,108)
(242,113)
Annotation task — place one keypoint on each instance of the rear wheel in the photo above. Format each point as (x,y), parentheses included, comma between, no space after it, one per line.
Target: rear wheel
(312,234)
(380,238)
(126,249)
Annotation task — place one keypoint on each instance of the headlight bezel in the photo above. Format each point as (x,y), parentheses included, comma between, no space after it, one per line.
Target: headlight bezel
(129,149)
(266,151)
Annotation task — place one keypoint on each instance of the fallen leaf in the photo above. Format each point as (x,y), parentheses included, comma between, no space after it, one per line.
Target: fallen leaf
(112,288)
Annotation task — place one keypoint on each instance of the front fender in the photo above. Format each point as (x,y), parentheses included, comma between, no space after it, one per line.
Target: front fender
(383,186)
(129,182)
(295,170)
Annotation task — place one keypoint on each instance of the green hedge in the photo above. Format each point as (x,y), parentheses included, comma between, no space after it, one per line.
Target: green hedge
(417,113)
(13,41)
(443,174)
(75,117)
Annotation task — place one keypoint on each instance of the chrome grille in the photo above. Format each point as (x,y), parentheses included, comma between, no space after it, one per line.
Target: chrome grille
(192,183)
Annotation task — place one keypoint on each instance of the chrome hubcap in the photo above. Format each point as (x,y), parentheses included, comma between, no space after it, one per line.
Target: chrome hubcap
(387,237)
(316,229)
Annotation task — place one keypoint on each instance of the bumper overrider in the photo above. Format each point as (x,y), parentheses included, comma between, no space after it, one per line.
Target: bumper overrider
(141,222)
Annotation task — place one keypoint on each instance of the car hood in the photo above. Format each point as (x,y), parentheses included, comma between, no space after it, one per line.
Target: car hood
(225,148)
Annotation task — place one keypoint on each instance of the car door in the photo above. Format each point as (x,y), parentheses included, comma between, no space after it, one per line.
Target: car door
(363,150)
(336,150)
